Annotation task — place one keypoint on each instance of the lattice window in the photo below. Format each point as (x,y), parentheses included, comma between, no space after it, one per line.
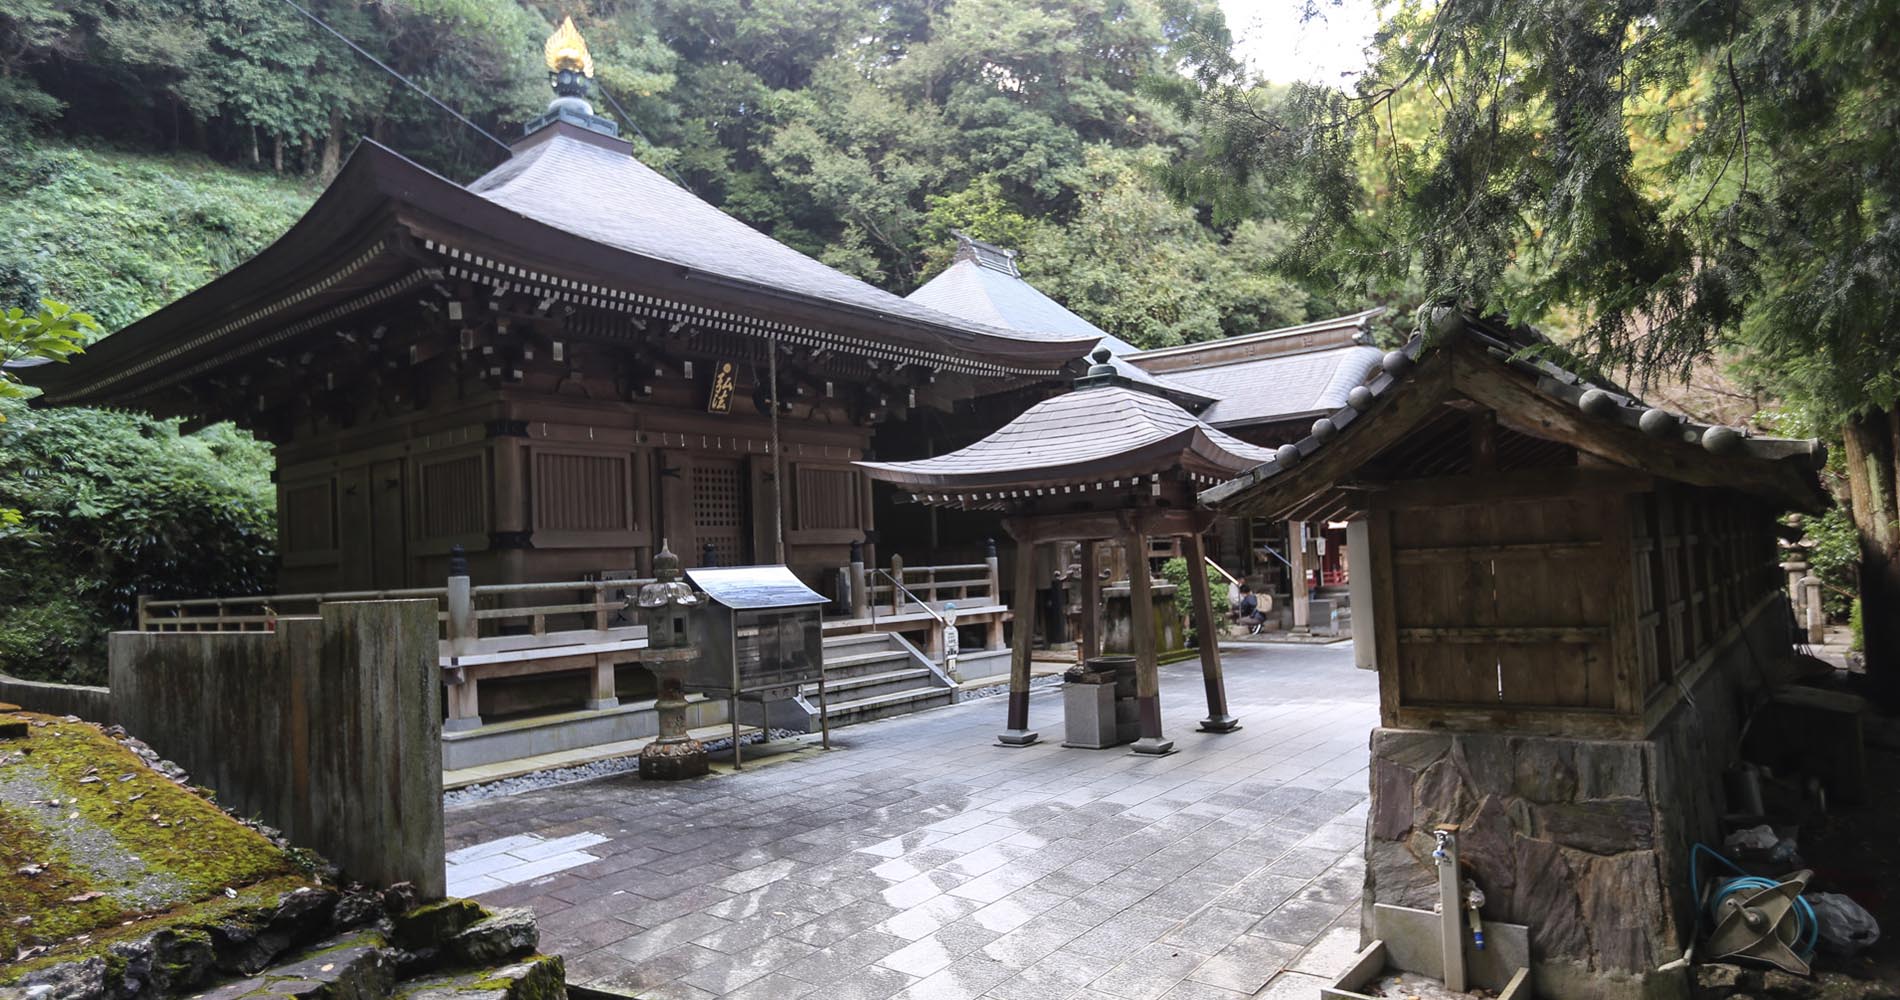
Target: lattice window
(719,509)
(452,492)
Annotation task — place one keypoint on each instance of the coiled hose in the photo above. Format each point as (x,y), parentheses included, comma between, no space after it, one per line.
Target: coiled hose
(1805,923)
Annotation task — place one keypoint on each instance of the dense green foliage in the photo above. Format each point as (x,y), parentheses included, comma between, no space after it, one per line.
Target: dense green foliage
(1175,571)
(122,233)
(116,505)
(859,131)
(53,332)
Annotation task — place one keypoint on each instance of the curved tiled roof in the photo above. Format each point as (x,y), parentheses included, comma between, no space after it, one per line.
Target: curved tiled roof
(986,293)
(1264,390)
(607,196)
(1781,469)
(1104,430)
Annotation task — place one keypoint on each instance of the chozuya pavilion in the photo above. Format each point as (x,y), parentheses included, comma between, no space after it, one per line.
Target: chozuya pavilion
(1113,460)
(554,367)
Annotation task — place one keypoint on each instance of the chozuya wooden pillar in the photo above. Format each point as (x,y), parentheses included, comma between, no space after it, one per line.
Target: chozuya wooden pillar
(1142,615)
(1018,734)
(1091,598)
(1217,721)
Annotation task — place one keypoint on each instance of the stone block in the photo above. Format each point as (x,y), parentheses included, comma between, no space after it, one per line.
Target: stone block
(1544,771)
(1611,770)
(1624,908)
(1412,749)
(1441,795)
(1485,843)
(1392,806)
(1488,761)
(1608,826)
(1544,896)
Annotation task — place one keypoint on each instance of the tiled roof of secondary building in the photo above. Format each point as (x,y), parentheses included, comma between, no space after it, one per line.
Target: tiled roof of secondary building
(1081,436)
(983,285)
(1269,389)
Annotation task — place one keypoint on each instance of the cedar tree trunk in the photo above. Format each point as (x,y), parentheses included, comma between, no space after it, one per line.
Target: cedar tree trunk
(1873,482)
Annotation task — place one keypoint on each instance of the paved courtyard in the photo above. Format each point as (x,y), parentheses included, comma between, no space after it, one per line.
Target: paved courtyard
(923,861)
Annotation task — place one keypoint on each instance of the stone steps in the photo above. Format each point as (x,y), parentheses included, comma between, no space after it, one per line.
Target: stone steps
(874,675)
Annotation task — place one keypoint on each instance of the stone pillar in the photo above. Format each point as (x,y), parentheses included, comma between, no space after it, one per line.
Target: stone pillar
(1018,733)
(464,709)
(1142,621)
(860,599)
(1359,592)
(1091,640)
(1217,721)
(1816,616)
(1296,559)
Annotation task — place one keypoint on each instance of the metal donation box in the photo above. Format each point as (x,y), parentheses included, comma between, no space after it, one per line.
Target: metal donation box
(761,635)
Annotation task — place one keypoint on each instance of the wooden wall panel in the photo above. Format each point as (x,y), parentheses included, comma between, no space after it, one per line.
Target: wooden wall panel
(308,519)
(451,499)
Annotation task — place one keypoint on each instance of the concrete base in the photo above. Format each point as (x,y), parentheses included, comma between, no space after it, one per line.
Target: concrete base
(1153,747)
(1088,714)
(1017,737)
(502,741)
(1220,724)
(602,704)
(462,725)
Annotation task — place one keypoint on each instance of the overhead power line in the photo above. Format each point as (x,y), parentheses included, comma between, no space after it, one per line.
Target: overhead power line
(411,84)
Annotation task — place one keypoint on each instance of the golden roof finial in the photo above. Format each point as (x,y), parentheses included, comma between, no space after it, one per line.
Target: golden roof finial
(567,50)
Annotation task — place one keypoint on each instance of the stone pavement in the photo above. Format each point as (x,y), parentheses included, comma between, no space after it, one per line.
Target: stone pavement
(923,861)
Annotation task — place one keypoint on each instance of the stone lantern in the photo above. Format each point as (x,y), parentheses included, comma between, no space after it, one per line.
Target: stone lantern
(666,607)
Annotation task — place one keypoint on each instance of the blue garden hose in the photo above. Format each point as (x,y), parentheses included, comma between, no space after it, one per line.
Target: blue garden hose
(1805,922)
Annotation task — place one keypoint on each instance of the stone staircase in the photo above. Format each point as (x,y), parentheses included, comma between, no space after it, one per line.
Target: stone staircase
(876,675)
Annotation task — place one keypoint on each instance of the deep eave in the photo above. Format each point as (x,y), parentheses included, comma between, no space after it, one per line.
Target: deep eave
(1489,363)
(387,224)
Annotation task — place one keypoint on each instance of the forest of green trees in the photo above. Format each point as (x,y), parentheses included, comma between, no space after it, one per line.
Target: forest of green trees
(1673,186)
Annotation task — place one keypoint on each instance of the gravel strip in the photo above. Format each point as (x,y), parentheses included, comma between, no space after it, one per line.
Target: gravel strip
(537,780)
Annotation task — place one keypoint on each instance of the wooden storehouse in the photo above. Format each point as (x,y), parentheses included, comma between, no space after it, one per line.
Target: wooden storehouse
(1575,603)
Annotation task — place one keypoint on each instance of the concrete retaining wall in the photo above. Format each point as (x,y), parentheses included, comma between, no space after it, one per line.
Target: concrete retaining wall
(328,728)
(93,704)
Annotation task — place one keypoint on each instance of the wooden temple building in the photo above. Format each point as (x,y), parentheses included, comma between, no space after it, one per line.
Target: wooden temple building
(1575,606)
(1114,461)
(553,367)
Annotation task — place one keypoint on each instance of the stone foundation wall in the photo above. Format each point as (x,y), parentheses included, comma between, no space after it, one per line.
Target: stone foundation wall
(1584,841)
(1559,834)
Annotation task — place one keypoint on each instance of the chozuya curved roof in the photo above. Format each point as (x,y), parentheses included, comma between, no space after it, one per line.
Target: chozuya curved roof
(573,217)
(1508,370)
(1094,435)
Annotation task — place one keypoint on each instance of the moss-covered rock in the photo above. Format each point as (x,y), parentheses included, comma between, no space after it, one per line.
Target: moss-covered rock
(435,923)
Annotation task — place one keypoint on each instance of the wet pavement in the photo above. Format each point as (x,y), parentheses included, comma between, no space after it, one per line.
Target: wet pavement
(924,861)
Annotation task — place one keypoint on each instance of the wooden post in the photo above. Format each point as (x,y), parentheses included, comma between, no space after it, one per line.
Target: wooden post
(1217,721)
(1018,733)
(995,629)
(606,694)
(1091,599)
(1296,568)
(1147,668)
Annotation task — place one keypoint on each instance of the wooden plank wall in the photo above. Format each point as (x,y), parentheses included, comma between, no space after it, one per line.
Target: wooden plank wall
(1703,558)
(1506,604)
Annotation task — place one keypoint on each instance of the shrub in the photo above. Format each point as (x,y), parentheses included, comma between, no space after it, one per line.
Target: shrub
(115,505)
(1176,572)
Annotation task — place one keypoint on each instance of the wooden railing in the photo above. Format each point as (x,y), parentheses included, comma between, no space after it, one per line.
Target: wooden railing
(964,583)
(493,609)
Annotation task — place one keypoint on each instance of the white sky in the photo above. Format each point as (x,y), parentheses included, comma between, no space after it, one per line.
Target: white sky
(1281,47)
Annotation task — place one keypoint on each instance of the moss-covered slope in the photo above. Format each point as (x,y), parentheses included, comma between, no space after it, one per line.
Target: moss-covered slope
(94,842)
